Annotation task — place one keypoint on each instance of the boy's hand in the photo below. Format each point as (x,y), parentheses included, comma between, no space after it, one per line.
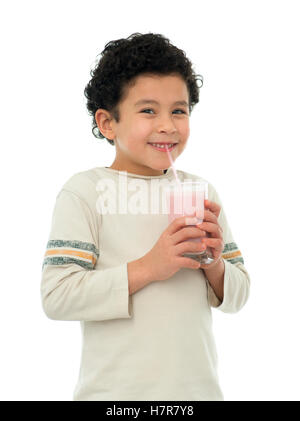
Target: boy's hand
(165,259)
(210,224)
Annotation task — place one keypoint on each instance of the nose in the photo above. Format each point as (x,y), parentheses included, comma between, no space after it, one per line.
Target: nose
(166,124)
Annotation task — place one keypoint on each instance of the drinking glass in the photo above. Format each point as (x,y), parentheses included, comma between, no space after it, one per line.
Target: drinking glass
(184,199)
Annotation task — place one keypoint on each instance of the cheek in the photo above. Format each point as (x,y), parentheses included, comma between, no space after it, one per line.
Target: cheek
(141,126)
(140,132)
(185,128)
(184,135)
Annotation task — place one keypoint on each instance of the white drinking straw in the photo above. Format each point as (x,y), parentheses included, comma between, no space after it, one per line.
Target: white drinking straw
(174,170)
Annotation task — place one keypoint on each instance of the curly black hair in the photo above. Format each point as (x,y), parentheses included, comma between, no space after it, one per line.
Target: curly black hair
(123,60)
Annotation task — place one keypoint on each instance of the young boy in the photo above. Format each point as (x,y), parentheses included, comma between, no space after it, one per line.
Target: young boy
(144,309)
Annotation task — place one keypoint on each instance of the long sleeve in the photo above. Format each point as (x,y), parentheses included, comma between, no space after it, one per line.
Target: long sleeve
(71,289)
(236,278)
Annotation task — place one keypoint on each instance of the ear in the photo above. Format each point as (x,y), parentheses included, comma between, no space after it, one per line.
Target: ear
(105,123)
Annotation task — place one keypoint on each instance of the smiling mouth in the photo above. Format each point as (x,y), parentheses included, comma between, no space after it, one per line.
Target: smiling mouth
(163,146)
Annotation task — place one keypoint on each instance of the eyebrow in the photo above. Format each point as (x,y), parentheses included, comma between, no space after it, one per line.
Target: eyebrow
(152,101)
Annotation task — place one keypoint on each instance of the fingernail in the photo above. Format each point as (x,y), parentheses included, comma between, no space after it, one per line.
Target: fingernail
(191,221)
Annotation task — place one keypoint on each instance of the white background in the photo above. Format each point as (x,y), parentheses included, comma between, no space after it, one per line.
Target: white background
(244,140)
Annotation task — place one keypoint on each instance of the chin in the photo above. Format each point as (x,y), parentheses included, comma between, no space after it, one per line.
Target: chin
(158,168)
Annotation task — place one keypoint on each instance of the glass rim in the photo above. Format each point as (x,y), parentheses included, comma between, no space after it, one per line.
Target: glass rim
(186,183)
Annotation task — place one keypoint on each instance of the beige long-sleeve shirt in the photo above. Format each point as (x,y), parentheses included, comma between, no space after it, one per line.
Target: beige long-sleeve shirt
(156,344)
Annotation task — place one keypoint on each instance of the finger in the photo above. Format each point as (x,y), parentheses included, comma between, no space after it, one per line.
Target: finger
(181,222)
(189,247)
(187,232)
(210,217)
(214,207)
(186,262)
(212,228)
(215,243)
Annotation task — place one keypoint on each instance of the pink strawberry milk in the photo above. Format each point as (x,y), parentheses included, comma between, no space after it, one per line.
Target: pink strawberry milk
(187,198)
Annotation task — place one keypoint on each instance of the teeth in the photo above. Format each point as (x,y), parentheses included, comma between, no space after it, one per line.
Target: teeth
(169,145)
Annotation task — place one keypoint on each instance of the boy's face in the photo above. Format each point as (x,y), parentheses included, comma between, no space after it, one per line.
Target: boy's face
(148,122)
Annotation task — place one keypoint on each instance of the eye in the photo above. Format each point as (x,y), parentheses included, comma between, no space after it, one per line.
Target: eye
(150,109)
(181,111)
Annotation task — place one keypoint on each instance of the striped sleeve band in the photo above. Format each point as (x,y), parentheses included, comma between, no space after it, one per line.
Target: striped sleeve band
(59,252)
(232,254)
